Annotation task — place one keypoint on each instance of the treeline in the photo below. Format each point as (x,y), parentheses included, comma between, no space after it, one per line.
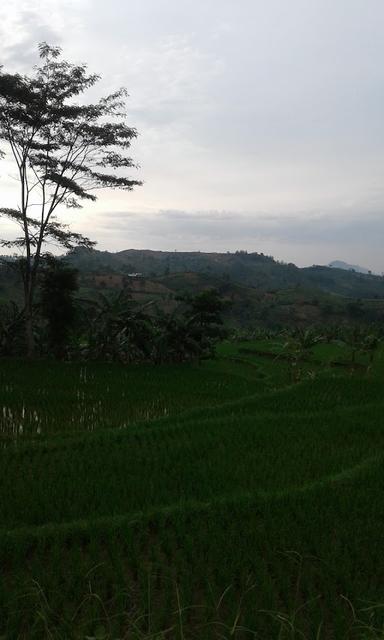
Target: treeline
(109,327)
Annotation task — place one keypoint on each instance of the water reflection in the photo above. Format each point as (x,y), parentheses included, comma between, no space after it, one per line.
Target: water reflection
(83,414)
(77,401)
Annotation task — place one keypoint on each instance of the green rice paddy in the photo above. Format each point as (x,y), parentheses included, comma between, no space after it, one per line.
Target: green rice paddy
(192,501)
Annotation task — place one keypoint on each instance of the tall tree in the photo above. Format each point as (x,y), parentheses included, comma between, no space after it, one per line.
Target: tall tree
(64,150)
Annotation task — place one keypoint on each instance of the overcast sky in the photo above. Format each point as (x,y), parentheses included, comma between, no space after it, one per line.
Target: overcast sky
(261,121)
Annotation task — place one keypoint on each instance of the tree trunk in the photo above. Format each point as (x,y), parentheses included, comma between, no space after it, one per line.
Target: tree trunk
(28,278)
(29,337)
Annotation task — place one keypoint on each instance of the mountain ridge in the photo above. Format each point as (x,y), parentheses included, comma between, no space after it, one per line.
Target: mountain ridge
(255,270)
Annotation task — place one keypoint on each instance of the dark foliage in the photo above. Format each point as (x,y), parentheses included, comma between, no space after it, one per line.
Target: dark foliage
(113,327)
(57,304)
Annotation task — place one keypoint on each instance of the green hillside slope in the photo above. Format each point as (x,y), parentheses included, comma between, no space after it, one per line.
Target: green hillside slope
(261,291)
(251,269)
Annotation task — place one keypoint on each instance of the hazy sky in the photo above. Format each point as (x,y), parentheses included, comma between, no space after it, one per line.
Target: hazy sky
(261,121)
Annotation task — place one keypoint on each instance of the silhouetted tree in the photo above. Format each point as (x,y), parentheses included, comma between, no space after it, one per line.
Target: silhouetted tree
(204,320)
(11,333)
(63,151)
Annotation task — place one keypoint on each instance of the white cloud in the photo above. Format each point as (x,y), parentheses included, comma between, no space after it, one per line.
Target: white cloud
(247,106)
(28,22)
(297,237)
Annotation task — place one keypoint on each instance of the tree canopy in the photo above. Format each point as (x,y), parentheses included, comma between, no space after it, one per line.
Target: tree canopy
(64,151)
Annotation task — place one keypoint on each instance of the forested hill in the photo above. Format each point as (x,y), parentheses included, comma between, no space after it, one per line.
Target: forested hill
(252,269)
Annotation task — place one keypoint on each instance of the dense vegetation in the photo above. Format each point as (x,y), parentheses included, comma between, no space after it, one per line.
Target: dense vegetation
(112,327)
(162,295)
(195,501)
(250,269)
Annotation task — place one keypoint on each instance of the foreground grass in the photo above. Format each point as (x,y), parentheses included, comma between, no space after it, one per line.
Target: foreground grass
(183,622)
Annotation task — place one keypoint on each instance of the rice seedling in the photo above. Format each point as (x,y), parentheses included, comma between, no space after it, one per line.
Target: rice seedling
(190,502)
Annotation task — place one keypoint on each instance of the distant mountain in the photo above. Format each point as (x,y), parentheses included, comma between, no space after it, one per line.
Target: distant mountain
(339,264)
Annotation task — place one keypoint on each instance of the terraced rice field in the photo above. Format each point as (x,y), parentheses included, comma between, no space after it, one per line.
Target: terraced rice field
(211,501)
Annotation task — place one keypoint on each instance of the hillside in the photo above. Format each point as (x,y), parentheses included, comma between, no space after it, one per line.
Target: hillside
(286,307)
(251,269)
(260,290)
(247,306)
